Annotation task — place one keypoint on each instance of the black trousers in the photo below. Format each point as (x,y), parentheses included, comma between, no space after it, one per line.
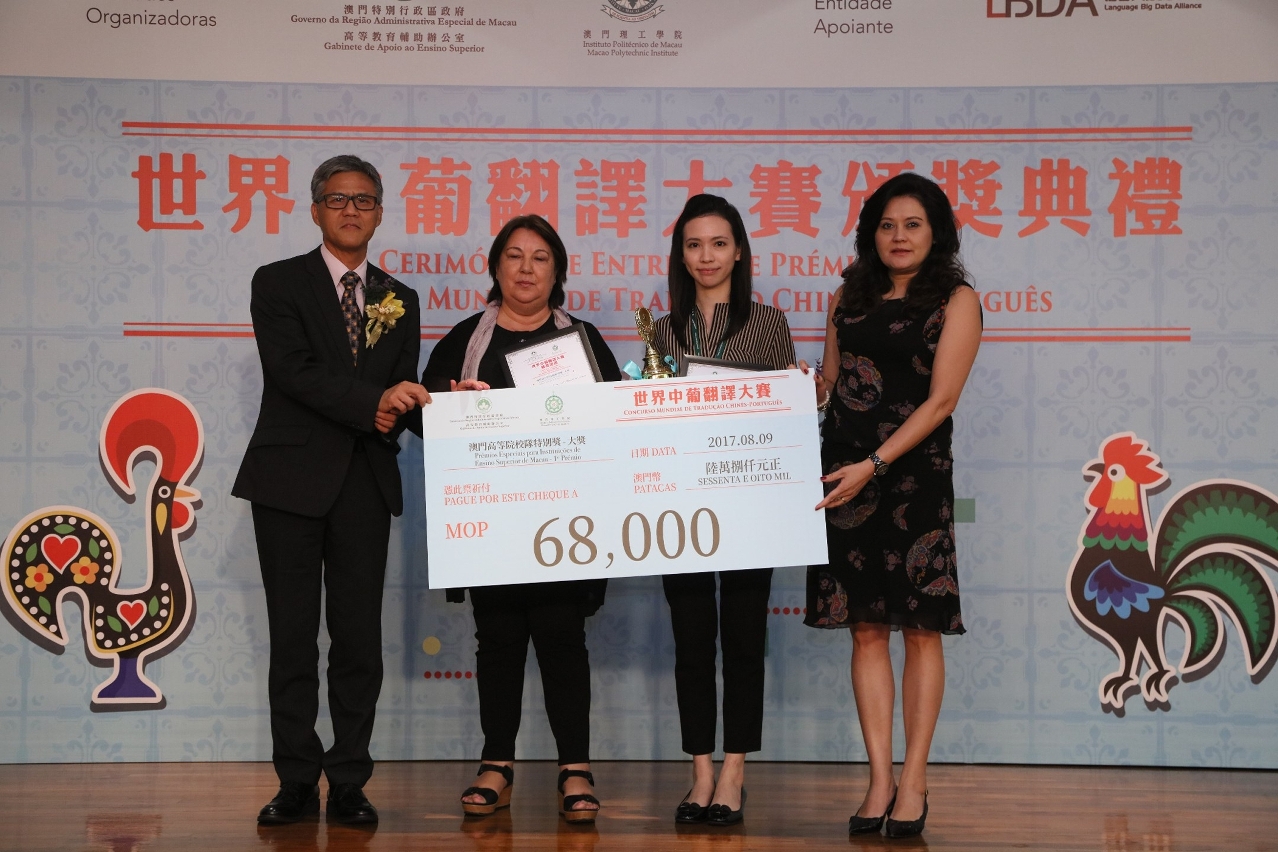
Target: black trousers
(551,615)
(741,627)
(346,551)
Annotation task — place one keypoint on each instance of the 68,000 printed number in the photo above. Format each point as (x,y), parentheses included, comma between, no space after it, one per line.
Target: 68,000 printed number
(549,551)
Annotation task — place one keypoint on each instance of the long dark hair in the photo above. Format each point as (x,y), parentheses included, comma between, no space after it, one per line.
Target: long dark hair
(683,289)
(542,228)
(867,281)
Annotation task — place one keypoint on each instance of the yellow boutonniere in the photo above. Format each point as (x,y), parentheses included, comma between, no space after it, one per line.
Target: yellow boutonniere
(382,316)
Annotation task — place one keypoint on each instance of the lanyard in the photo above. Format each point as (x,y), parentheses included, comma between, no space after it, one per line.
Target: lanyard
(696,341)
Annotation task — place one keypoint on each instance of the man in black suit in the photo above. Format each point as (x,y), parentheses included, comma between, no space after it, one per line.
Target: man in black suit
(321,474)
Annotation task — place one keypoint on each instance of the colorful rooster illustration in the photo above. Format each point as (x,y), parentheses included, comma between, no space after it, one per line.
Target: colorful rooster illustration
(1206,560)
(62,552)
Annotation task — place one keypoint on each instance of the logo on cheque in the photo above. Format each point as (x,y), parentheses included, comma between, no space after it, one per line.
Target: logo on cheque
(554,404)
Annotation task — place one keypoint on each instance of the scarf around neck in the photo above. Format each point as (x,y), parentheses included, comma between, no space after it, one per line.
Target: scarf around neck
(483,335)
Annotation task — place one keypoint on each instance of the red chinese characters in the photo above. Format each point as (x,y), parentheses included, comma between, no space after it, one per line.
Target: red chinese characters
(437,197)
(1055,190)
(723,392)
(874,177)
(519,189)
(1148,191)
(175,188)
(788,198)
(972,193)
(248,176)
(610,197)
(696,184)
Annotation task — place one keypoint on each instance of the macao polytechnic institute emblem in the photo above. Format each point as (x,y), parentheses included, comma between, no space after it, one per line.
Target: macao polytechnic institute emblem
(633,11)
(554,405)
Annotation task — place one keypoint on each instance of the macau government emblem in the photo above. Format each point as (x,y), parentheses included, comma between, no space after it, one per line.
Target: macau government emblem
(483,405)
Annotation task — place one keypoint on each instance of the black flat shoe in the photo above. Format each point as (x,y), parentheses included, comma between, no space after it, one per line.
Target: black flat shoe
(870,825)
(724,815)
(567,803)
(293,802)
(691,812)
(348,805)
(492,798)
(906,827)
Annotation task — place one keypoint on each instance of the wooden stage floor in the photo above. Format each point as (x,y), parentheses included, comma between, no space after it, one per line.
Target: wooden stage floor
(195,807)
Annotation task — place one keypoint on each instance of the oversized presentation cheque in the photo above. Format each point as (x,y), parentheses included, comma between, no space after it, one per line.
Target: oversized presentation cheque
(616,480)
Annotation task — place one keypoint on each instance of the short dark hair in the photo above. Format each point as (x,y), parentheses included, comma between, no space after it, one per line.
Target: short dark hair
(683,290)
(542,228)
(343,163)
(867,281)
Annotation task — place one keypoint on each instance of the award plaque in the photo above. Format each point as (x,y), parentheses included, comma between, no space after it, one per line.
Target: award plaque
(563,357)
(695,366)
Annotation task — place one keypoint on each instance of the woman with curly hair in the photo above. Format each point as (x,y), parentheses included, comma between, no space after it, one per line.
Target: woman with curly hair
(901,337)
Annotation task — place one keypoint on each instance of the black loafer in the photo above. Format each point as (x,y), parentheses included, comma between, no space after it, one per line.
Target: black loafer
(293,802)
(348,805)
(690,812)
(724,815)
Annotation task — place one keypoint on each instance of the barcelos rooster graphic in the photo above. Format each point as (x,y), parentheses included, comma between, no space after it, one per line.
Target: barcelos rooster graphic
(1203,565)
(63,553)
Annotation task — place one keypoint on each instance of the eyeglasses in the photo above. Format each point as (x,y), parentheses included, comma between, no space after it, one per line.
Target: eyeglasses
(338,201)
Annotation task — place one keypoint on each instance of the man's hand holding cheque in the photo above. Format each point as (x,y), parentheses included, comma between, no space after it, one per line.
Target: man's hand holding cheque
(396,400)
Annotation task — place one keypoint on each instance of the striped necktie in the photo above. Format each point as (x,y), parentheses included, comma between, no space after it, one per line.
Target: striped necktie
(350,310)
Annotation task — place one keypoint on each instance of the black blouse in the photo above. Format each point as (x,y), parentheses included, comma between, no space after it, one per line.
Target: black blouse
(449,354)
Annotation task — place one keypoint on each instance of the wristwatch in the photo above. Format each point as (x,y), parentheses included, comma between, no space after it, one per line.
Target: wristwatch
(880,466)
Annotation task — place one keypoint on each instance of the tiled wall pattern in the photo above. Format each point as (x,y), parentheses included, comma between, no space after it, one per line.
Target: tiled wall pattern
(76,270)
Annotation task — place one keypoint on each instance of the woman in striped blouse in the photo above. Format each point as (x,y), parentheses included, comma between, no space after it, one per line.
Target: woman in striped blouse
(713,315)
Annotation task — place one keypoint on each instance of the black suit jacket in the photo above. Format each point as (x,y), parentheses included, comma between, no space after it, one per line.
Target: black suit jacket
(316,405)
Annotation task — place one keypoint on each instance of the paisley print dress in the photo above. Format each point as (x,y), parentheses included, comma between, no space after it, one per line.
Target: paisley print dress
(891,547)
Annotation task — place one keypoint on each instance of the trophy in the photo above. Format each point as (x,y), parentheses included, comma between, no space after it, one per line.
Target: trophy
(653,366)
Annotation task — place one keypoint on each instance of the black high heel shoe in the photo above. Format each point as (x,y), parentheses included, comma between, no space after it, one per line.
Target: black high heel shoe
(870,825)
(906,827)
(492,798)
(691,812)
(724,815)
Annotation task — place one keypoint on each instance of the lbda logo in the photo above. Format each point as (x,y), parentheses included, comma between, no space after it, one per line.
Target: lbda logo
(1036,8)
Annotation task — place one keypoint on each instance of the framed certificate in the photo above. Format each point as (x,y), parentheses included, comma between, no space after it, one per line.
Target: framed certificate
(563,357)
(698,367)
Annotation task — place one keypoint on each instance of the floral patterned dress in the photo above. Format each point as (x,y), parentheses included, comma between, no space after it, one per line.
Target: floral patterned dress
(891,546)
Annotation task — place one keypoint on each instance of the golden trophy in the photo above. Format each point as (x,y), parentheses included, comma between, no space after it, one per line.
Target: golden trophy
(653,366)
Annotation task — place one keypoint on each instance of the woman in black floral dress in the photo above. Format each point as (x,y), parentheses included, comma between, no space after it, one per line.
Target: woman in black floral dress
(901,338)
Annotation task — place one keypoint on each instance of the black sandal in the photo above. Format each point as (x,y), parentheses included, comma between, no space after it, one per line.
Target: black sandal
(566,803)
(492,798)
